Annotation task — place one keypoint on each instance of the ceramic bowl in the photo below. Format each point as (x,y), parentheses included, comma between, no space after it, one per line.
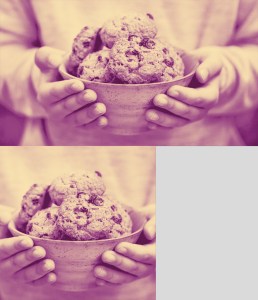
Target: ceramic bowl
(75,260)
(127,103)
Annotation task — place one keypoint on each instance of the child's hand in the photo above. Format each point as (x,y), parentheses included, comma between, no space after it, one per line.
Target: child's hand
(131,261)
(22,262)
(66,100)
(184,105)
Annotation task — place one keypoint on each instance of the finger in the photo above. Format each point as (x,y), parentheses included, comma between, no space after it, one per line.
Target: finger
(164,119)
(99,123)
(113,276)
(50,278)
(22,260)
(141,253)
(13,245)
(125,264)
(35,271)
(203,97)
(47,60)
(86,115)
(178,108)
(210,67)
(72,103)
(51,92)
(150,229)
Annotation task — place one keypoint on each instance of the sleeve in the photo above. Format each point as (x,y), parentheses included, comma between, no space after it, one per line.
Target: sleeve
(18,44)
(240,73)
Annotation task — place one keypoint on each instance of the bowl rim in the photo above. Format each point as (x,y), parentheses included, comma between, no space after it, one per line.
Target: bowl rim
(12,228)
(62,70)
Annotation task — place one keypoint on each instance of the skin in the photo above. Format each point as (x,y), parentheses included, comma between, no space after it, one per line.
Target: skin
(183,105)
(131,261)
(20,260)
(66,100)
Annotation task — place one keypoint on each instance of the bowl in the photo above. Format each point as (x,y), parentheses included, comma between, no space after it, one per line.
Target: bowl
(127,103)
(75,260)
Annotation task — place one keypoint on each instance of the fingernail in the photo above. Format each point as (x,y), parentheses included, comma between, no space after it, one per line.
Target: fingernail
(87,97)
(173,93)
(203,73)
(162,101)
(48,266)
(101,272)
(152,116)
(38,253)
(100,108)
(121,250)
(51,278)
(77,86)
(110,257)
(26,243)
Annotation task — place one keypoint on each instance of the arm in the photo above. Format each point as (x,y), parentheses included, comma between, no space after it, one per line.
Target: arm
(228,79)
(18,72)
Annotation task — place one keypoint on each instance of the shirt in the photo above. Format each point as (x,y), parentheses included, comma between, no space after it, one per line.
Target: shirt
(229,27)
(129,175)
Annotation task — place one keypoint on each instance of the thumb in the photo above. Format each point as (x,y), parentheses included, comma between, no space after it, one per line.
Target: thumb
(150,229)
(48,60)
(211,63)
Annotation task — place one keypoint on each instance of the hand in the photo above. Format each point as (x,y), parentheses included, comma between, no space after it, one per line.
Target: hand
(20,261)
(66,100)
(183,105)
(130,261)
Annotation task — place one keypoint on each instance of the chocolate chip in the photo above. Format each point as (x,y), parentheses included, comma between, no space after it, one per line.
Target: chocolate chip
(169,62)
(35,201)
(100,59)
(123,29)
(85,28)
(150,16)
(80,209)
(113,207)
(147,43)
(23,207)
(98,173)
(72,186)
(131,52)
(34,185)
(29,227)
(49,215)
(86,44)
(88,214)
(80,195)
(117,219)
(98,201)
(165,50)
(131,37)
(80,71)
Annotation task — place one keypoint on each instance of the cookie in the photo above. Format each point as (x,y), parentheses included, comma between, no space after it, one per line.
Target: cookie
(137,60)
(44,224)
(32,202)
(135,24)
(83,44)
(95,67)
(73,184)
(174,66)
(96,218)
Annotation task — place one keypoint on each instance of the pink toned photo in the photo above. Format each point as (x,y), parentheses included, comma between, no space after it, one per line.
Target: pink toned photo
(77,223)
(138,72)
